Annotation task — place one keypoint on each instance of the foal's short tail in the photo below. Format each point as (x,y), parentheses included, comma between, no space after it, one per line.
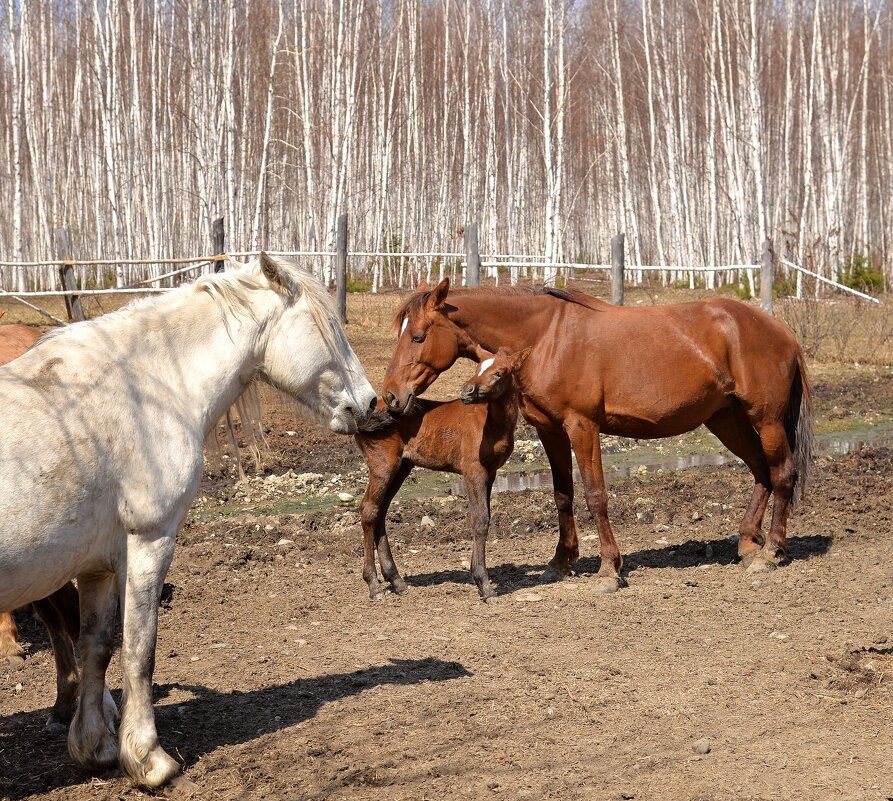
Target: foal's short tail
(798,425)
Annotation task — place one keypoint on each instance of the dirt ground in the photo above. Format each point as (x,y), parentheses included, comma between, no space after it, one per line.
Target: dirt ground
(278,678)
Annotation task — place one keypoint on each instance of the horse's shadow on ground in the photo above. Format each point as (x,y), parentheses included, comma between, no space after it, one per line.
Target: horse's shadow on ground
(510,578)
(32,761)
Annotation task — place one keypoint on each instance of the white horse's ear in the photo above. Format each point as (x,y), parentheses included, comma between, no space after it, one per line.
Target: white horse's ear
(273,272)
(270,268)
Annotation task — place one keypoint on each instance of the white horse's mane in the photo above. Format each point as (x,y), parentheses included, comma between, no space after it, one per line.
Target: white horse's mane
(232,290)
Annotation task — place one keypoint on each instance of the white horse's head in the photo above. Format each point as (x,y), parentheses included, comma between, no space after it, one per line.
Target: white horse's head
(304,352)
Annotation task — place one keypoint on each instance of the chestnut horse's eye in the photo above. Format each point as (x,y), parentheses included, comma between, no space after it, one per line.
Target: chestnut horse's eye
(418,337)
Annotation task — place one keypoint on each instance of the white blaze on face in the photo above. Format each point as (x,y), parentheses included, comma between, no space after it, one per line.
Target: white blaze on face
(403,327)
(484,365)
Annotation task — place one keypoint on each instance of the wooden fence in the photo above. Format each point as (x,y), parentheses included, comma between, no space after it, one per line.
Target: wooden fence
(406,269)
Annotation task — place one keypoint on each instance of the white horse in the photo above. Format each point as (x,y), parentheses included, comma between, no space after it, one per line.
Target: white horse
(101,433)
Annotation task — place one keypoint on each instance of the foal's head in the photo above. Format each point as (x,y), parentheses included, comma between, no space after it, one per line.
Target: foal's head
(497,375)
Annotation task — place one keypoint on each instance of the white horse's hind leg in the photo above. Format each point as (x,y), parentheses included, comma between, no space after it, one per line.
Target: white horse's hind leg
(141,756)
(91,742)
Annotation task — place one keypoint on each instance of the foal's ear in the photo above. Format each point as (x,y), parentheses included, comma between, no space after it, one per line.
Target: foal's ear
(438,295)
(521,357)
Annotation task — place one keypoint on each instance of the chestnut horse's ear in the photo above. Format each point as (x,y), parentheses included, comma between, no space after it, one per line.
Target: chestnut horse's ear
(423,286)
(438,295)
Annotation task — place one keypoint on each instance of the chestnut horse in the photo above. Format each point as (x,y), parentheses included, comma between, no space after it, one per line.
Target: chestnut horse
(59,612)
(654,372)
(474,440)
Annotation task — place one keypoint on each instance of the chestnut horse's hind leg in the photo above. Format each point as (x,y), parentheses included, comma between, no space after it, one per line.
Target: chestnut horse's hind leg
(584,438)
(567,551)
(783,476)
(478,484)
(60,614)
(733,428)
(10,649)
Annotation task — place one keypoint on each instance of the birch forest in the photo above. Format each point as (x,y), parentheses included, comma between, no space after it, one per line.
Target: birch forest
(700,128)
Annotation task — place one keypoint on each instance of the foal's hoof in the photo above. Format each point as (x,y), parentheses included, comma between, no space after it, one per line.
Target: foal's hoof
(487,593)
(399,586)
(605,585)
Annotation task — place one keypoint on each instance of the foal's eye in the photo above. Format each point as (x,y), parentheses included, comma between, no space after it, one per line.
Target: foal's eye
(418,337)
(498,374)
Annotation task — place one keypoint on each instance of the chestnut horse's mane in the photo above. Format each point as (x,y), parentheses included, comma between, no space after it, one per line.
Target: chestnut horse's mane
(417,301)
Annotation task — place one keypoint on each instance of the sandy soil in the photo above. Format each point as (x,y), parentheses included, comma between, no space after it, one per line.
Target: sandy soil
(278,678)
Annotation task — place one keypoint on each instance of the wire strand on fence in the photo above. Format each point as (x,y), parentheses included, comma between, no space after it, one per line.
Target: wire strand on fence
(829,281)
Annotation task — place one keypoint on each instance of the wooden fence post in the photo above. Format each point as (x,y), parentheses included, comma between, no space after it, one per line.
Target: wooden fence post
(767,277)
(617,260)
(472,255)
(61,245)
(218,243)
(341,268)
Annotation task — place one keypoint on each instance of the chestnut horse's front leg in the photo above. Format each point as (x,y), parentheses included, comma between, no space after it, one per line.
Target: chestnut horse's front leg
(567,551)
(583,434)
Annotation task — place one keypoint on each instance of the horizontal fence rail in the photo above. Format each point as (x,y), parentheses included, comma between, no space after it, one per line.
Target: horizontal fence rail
(386,268)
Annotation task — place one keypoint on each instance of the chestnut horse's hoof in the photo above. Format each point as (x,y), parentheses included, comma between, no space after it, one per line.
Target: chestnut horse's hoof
(760,565)
(552,574)
(748,558)
(11,662)
(605,585)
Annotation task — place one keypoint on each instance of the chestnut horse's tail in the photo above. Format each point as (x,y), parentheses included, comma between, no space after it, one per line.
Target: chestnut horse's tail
(798,424)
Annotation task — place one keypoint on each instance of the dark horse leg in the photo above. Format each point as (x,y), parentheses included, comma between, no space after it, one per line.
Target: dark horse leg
(383,486)
(478,484)
(60,613)
(567,551)
(583,435)
(733,428)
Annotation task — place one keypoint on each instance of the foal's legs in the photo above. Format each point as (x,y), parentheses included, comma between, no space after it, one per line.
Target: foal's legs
(478,483)
(733,428)
(91,742)
(583,435)
(384,481)
(148,559)
(385,557)
(60,614)
(567,551)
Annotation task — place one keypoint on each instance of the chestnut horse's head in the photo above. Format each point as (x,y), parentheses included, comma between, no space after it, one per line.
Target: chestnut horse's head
(496,376)
(427,344)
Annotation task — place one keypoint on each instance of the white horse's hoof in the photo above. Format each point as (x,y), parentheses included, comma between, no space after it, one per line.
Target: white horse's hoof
(99,751)
(156,770)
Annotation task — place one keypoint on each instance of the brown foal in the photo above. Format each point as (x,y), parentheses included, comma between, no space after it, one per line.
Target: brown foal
(473,436)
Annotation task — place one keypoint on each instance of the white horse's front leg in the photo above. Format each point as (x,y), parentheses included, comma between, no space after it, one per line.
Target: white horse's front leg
(91,738)
(141,755)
